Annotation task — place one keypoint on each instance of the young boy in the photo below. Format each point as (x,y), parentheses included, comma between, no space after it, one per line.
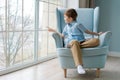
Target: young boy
(74,38)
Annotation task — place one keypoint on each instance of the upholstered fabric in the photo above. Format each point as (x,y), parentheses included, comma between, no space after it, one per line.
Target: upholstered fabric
(92,57)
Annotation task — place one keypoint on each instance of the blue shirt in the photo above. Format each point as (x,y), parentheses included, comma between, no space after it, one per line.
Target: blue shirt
(73,31)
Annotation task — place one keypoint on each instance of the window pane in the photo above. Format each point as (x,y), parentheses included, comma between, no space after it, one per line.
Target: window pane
(51,45)
(53,24)
(60,3)
(44,0)
(14,15)
(54,1)
(42,47)
(21,47)
(2,15)
(52,16)
(43,23)
(43,15)
(2,35)
(14,47)
(28,46)
(28,14)
(2,51)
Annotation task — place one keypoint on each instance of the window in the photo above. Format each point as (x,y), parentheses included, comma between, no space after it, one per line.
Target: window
(47,17)
(23,35)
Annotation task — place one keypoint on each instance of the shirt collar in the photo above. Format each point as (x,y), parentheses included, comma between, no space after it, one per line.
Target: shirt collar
(72,23)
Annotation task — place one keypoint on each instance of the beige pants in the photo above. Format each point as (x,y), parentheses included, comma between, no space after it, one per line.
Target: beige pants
(76,48)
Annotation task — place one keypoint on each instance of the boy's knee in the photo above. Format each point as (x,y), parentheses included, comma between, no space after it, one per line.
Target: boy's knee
(74,42)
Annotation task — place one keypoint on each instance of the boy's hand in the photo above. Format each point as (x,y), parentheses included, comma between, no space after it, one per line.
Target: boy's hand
(51,30)
(100,33)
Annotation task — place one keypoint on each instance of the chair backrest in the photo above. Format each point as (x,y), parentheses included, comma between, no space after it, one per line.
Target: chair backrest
(87,16)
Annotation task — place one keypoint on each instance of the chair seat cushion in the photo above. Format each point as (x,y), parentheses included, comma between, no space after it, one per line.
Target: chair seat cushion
(86,51)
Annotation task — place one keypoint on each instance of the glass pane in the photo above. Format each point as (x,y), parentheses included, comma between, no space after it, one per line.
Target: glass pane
(60,2)
(14,15)
(2,51)
(21,47)
(2,15)
(44,0)
(28,46)
(52,16)
(53,24)
(51,45)
(43,15)
(2,35)
(53,1)
(14,47)
(18,59)
(28,13)
(42,46)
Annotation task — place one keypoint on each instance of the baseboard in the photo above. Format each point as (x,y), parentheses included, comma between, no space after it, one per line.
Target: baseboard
(114,54)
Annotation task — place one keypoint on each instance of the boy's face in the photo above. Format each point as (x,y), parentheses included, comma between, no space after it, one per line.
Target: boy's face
(67,19)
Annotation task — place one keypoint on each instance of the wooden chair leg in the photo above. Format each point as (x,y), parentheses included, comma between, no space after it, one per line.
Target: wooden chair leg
(65,73)
(98,72)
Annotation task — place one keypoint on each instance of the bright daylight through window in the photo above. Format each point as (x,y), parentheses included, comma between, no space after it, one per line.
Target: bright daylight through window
(23,34)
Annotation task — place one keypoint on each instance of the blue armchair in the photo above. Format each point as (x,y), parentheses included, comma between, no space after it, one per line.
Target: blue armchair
(92,57)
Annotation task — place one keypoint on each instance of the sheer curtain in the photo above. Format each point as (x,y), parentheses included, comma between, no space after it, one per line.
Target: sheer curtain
(86,3)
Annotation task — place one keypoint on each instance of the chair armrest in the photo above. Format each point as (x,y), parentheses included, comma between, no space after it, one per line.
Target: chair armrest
(105,38)
(58,40)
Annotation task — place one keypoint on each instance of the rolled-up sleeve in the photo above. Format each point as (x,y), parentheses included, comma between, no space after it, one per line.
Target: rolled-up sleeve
(65,31)
(82,28)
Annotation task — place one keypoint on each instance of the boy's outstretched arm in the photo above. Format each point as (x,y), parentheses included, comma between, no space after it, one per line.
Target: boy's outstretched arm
(53,30)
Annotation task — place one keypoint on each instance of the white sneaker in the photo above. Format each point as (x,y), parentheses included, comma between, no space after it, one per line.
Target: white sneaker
(80,69)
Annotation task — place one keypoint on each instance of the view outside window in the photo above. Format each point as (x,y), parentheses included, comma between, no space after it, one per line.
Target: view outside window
(18,34)
(47,18)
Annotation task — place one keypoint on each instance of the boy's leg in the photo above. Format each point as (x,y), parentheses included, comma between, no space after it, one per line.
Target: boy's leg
(76,52)
(77,56)
(93,42)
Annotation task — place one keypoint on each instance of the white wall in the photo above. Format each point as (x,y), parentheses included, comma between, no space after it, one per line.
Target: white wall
(77,3)
(72,3)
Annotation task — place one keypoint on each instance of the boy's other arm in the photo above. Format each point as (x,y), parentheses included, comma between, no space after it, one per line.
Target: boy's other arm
(93,33)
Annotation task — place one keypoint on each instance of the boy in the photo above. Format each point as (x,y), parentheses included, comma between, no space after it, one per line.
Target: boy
(74,37)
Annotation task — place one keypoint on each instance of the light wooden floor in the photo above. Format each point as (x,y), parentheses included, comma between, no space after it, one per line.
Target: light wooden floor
(51,70)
